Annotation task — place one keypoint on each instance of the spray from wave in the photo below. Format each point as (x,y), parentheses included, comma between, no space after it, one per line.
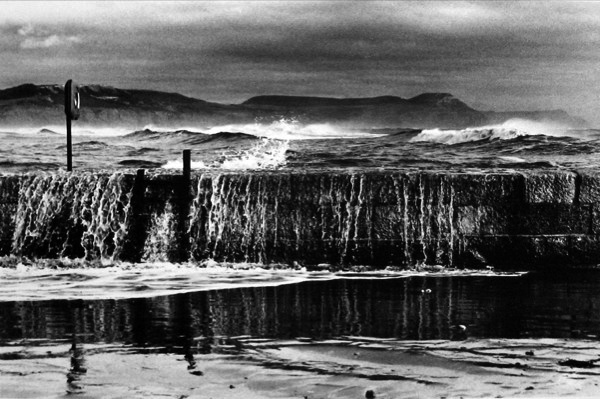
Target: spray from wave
(266,154)
(508,130)
(291,129)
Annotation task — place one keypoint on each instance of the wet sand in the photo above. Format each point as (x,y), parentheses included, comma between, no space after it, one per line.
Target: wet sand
(347,368)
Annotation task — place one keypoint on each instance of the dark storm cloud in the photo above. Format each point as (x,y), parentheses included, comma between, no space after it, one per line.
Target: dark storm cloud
(491,54)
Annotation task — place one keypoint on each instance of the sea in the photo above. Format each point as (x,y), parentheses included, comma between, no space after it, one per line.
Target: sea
(185,330)
(290,145)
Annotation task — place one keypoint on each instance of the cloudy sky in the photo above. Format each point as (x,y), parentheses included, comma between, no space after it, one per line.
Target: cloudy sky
(492,55)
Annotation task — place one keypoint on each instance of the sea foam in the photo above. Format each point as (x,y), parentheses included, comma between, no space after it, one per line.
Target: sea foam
(266,154)
(508,130)
(291,129)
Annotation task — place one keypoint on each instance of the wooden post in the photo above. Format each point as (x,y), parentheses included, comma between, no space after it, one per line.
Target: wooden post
(69,146)
(183,235)
(187,166)
(140,175)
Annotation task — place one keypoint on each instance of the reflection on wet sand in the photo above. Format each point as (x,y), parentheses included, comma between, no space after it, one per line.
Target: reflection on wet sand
(417,308)
(78,368)
(338,338)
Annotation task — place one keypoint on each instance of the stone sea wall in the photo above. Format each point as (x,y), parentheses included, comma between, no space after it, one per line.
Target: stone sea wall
(509,220)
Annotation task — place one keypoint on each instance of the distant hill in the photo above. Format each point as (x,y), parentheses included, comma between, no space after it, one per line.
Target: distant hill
(426,110)
(42,105)
(295,101)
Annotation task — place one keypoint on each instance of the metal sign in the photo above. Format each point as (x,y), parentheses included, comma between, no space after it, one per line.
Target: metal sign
(72,100)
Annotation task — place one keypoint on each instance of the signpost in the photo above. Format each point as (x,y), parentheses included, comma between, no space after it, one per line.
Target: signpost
(72,104)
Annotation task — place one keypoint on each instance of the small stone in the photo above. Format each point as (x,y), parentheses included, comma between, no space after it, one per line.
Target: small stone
(529,388)
(231,387)
(529,353)
(370,394)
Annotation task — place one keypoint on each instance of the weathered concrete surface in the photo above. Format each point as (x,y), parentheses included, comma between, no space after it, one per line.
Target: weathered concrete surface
(510,220)
(9,198)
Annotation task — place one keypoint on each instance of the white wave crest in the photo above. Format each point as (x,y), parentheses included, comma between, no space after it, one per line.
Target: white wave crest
(510,129)
(291,129)
(466,135)
(266,154)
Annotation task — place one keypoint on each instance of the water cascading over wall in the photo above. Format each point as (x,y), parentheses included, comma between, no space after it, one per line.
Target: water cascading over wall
(517,220)
(71,215)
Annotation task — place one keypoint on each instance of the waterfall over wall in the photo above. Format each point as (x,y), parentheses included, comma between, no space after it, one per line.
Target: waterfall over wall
(71,215)
(521,220)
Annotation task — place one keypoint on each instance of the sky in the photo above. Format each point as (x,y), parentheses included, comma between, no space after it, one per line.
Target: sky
(492,55)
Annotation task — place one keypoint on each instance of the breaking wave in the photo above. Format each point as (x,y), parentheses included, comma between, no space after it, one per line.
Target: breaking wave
(466,135)
(291,129)
(266,154)
(508,130)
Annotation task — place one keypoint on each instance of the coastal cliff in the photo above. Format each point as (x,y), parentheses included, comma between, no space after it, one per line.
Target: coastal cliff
(104,106)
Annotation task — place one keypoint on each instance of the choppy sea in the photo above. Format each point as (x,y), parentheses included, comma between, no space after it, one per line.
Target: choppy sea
(239,330)
(289,145)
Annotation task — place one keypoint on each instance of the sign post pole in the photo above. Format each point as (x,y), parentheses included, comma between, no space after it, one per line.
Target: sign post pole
(69,146)
(72,104)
